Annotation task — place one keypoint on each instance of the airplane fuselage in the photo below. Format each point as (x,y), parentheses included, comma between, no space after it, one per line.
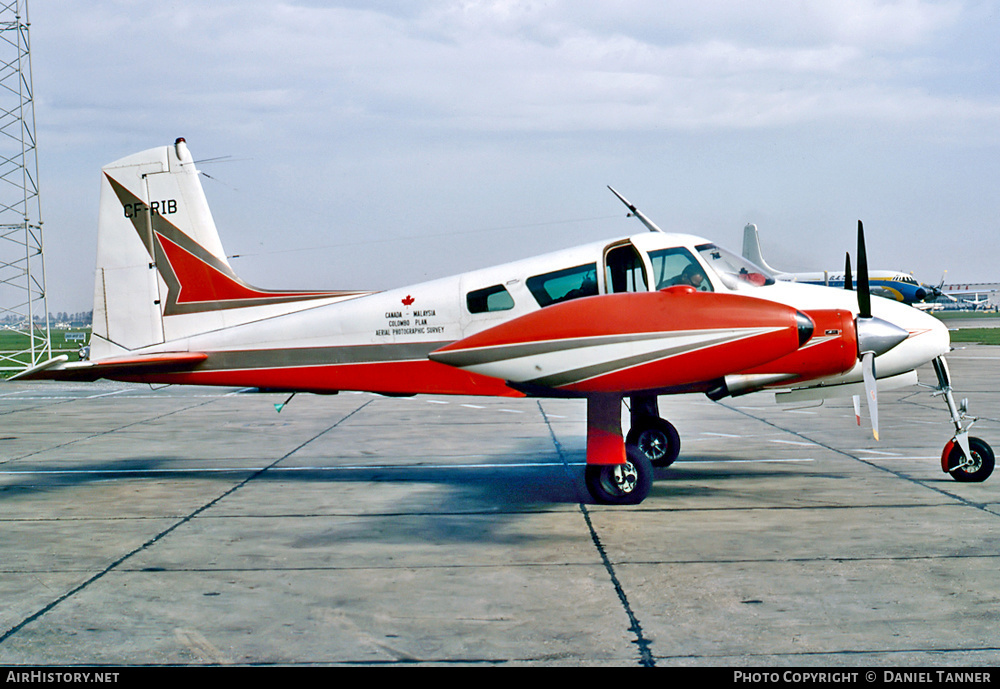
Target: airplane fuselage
(383,341)
(890,285)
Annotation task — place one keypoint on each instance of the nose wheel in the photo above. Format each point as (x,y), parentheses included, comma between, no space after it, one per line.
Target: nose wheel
(972,468)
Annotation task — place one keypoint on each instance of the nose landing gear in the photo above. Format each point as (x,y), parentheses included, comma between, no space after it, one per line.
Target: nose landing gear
(966,458)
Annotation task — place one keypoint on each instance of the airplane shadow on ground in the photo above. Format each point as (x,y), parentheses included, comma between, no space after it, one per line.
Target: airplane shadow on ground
(512,484)
(448,504)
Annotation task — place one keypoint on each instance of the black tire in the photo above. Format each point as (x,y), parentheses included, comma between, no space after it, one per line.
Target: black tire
(621,484)
(657,439)
(982,458)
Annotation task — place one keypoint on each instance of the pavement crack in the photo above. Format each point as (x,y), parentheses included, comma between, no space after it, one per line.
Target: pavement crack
(167,531)
(983,507)
(642,643)
(139,422)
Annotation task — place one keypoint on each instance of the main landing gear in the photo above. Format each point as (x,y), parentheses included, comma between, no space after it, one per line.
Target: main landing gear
(621,484)
(651,442)
(653,436)
(966,458)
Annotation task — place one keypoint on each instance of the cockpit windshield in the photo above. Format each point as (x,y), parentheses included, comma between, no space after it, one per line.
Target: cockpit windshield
(736,272)
(678,266)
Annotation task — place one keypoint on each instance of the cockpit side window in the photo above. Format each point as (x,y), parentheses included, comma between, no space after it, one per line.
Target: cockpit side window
(677,266)
(563,285)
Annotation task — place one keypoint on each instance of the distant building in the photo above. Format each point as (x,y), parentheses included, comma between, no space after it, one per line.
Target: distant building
(971,296)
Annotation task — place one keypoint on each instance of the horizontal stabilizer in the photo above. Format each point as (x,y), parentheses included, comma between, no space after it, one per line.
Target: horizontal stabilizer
(60,368)
(31,373)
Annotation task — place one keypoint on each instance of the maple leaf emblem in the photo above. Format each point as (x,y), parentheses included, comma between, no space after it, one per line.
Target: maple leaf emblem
(407,300)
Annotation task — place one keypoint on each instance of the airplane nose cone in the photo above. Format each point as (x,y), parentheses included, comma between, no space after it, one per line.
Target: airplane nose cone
(926,337)
(939,332)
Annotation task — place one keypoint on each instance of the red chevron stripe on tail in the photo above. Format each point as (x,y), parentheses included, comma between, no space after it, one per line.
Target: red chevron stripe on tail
(203,283)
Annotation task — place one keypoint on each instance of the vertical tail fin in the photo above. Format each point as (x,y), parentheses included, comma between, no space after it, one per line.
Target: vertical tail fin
(128,295)
(751,249)
(161,270)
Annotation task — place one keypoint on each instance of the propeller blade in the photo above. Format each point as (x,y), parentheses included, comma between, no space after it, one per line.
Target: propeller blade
(848,284)
(857,408)
(864,294)
(871,389)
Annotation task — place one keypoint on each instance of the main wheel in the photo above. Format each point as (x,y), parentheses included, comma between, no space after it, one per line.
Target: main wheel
(657,439)
(621,484)
(979,469)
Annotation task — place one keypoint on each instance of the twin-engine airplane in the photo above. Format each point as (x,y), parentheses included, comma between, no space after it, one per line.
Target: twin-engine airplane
(636,317)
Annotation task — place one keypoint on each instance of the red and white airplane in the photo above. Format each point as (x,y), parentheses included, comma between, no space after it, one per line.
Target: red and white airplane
(635,317)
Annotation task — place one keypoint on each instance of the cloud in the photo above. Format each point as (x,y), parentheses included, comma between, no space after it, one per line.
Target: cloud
(501,65)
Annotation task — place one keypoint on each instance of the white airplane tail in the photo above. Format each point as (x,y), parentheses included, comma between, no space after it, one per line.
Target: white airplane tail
(162,273)
(147,199)
(751,249)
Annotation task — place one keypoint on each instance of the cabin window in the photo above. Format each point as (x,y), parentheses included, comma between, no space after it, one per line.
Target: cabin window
(677,266)
(563,285)
(495,298)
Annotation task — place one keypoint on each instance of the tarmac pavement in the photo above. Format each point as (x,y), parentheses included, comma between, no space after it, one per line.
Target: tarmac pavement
(198,526)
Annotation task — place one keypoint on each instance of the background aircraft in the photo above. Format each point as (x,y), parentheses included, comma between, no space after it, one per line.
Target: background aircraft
(977,301)
(630,318)
(890,284)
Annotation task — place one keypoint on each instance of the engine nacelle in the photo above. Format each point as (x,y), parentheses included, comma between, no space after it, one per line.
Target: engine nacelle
(673,339)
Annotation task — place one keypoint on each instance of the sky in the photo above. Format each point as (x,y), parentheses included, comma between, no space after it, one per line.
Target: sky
(374,144)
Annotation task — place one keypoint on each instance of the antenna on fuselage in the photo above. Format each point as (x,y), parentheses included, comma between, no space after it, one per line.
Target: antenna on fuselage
(636,212)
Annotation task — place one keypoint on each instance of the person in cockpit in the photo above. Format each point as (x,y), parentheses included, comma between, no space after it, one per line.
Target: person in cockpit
(693,276)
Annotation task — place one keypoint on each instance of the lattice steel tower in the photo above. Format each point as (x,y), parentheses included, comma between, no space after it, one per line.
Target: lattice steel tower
(24,314)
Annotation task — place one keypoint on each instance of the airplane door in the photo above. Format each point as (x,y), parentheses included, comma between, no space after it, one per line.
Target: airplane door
(624,270)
